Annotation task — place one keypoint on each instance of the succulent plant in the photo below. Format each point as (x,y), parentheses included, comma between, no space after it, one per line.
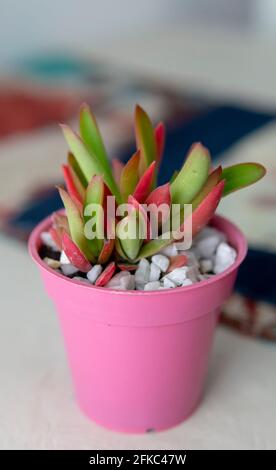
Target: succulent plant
(91,180)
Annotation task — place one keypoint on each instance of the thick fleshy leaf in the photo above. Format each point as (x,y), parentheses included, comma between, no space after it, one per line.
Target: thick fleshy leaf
(144,185)
(137,206)
(159,135)
(74,254)
(109,220)
(71,187)
(128,232)
(130,176)
(91,136)
(60,225)
(192,175)
(145,139)
(144,220)
(76,224)
(160,196)
(106,275)
(60,221)
(95,195)
(119,250)
(72,163)
(56,234)
(95,191)
(174,175)
(88,163)
(77,182)
(205,210)
(177,262)
(153,247)
(117,168)
(212,180)
(127,267)
(106,252)
(241,175)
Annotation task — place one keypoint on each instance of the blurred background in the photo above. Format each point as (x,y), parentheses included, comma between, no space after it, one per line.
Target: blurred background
(31,25)
(205,67)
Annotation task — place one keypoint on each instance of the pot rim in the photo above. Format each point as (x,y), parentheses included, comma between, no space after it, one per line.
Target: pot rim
(217,221)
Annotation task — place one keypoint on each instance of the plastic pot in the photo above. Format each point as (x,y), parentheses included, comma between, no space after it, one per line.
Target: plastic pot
(139,359)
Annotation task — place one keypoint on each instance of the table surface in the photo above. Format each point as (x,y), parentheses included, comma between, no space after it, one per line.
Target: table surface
(37,407)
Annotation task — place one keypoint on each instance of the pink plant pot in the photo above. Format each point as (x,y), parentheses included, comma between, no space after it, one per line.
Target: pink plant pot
(139,359)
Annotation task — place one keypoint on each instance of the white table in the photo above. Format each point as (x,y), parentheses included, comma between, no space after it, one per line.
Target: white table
(37,408)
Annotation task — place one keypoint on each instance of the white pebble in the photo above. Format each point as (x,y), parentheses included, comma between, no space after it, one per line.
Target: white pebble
(142,273)
(192,258)
(206,265)
(161,261)
(170,250)
(116,281)
(129,282)
(203,277)
(187,282)
(81,279)
(178,275)
(180,246)
(225,257)
(208,232)
(207,242)
(155,272)
(64,258)
(68,269)
(122,281)
(94,273)
(168,283)
(193,273)
(52,263)
(152,285)
(139,286)
(47,240)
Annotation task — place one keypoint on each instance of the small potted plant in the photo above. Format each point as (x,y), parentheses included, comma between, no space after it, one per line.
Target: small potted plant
(136,276)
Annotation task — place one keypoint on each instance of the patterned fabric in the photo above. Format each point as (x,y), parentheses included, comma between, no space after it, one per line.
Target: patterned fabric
(49,90)
(251,318)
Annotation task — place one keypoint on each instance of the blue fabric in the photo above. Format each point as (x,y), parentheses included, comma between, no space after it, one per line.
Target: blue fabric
(256,278)
(217,128)
(36,211)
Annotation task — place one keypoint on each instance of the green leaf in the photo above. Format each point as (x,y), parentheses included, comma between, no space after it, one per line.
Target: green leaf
(192,175)
(131,232)
(72,162)
(211,181)
(95,191)
(76,224)
(153,247)
(95,195)
(241,175)
(130,176)
(119,249)
(174,175)
(88,163)
(92,138)
(203,212)
(145,139)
